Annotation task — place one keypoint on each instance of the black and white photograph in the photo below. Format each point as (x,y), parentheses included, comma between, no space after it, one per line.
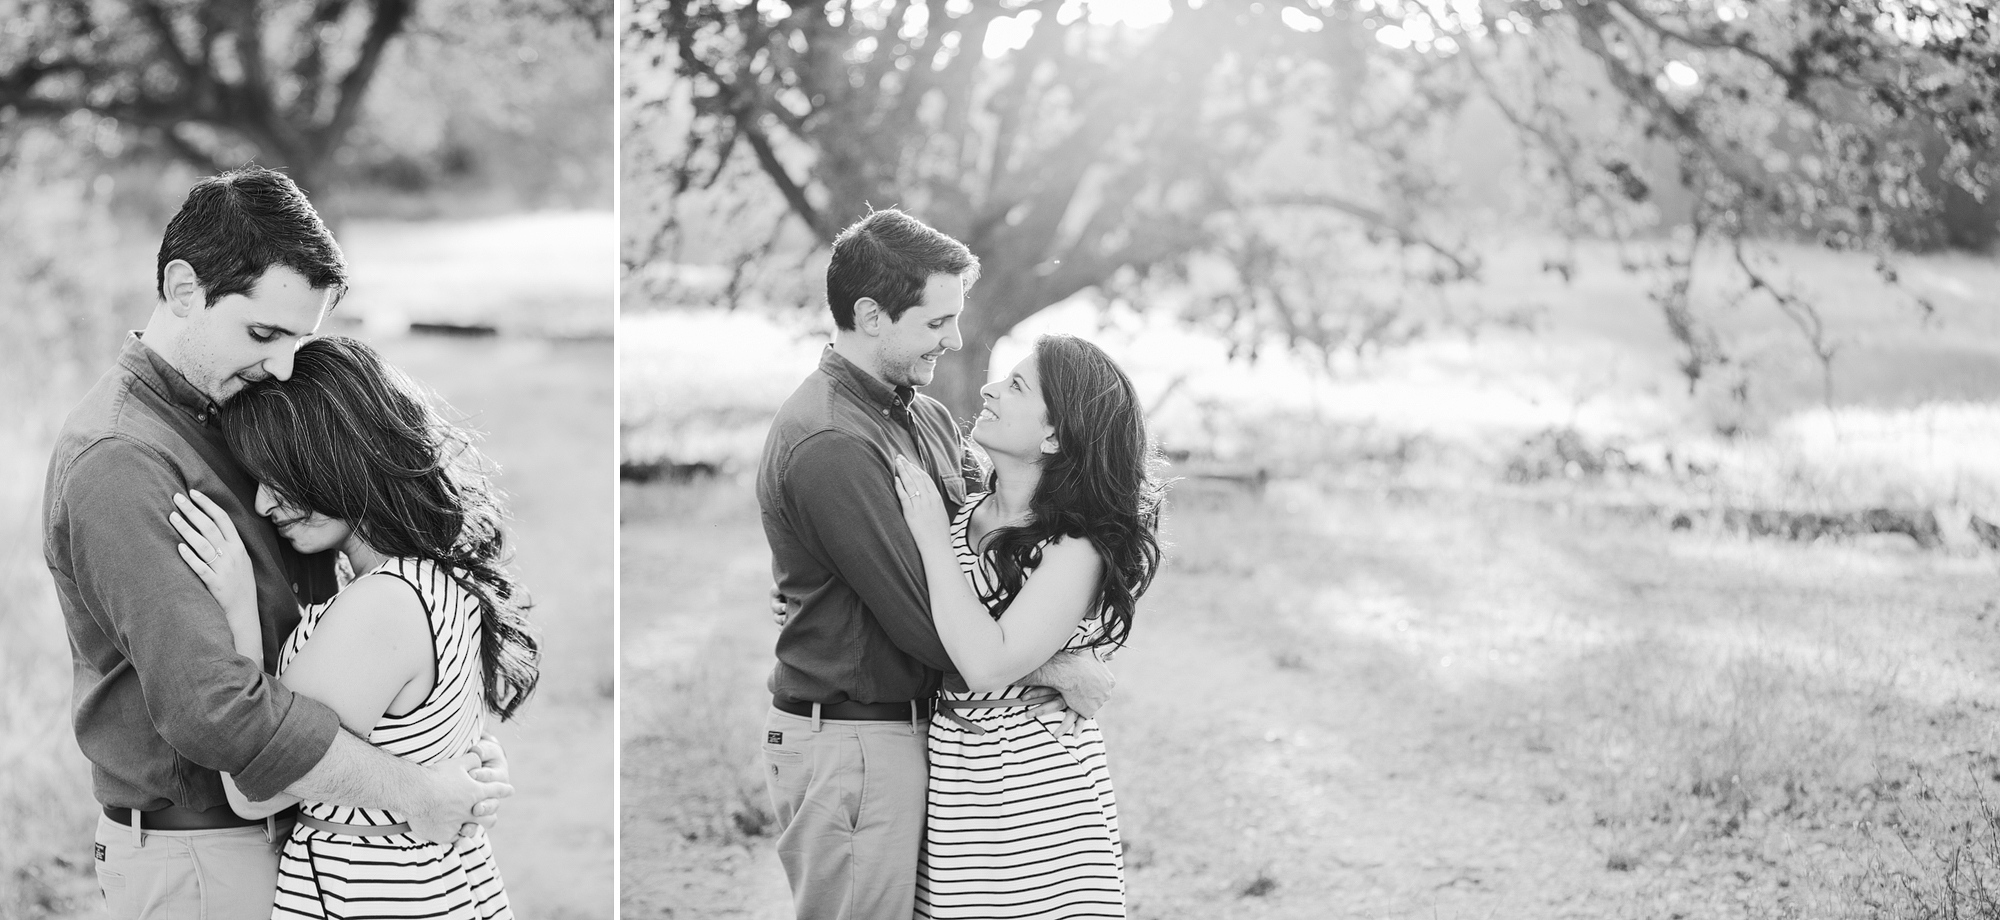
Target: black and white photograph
(1309,458)
(307,596)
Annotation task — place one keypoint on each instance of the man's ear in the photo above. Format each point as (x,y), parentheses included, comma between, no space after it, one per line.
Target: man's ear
(183,290)
(869,317)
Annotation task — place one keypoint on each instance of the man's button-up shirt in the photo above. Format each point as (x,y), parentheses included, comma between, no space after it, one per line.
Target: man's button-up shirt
(840,550)
(162,700)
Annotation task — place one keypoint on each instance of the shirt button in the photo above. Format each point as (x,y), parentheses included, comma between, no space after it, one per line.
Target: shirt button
(295,587)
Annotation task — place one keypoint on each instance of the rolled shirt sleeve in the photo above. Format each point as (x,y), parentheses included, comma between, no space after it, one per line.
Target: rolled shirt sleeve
(214,707)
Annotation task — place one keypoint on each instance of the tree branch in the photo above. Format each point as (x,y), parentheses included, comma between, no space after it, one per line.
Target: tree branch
(311,67)
(1590,18)
(157,22)
(1466,266)
(390,16)
(186,150)
(774,169)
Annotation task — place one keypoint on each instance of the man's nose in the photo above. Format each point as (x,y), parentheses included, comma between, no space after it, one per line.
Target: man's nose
(952,341)
(280,365)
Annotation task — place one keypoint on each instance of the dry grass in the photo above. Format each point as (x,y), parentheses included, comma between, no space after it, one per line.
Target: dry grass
(1392,682)
(695,651)
(58,275)
(1411,704)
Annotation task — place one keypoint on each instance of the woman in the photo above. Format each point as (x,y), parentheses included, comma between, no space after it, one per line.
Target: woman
(429,634)
(1021,821)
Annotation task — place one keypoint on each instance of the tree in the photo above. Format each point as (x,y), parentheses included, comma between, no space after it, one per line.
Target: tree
(219,82)
(1083,154)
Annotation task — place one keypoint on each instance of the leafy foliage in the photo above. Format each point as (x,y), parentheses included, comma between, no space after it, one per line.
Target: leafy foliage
(220,82)
(1231,147)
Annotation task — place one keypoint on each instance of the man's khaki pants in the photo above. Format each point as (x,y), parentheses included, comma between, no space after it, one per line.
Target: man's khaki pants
(849,797)
(226,874)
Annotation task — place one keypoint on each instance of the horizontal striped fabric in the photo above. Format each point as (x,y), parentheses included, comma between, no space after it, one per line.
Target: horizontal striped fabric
(325,874)
(1021,821)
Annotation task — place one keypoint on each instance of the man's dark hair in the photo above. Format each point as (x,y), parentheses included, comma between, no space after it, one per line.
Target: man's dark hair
(887,257)
(235,226)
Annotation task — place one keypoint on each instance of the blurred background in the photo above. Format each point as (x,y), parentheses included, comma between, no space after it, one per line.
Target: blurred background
(1583,415)
(462,153)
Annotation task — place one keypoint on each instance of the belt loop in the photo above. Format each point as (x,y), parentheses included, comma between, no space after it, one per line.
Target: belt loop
(913,717)
(271,828)
(138,834)
(815,717)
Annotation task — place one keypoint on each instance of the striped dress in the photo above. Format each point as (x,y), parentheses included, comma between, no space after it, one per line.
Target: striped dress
(1020,821)
(325,874)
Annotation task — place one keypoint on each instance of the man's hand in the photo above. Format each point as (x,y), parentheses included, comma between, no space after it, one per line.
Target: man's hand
(1084,682)
(458,800)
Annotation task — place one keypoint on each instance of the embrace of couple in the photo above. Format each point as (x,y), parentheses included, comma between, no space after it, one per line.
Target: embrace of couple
(196,505)
(929,751)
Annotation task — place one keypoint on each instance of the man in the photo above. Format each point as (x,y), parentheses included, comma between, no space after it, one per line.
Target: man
(858,657)
(246,272)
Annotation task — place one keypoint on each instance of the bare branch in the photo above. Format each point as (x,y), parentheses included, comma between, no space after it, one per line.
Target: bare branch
(186,150)
(774,169)
(1738,166)
(157,22)
(390,17)
(1466,265)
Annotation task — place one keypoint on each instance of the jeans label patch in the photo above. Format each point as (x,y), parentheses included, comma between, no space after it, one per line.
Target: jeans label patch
(774,737)
(100,852)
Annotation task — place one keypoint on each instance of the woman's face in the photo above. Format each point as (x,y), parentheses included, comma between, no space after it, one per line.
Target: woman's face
(1013,418)
(307,531)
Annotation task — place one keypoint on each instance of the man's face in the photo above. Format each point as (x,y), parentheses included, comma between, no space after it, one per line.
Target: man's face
(246,338)
(912,344)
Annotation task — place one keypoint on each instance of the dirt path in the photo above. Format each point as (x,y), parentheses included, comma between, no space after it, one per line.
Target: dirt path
(1349,704)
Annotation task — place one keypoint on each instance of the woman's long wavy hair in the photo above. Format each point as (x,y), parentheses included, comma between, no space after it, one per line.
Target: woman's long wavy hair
(1099,485)
(352,438)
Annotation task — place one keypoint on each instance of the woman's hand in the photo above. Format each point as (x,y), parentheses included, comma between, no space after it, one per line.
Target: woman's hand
(923,507)
(212,548)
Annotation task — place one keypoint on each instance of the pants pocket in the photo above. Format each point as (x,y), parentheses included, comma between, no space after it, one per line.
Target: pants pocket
(117,900)
(786,776)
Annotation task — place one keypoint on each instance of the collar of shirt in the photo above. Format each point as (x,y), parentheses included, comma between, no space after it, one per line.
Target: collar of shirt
(166,380)
(894,402)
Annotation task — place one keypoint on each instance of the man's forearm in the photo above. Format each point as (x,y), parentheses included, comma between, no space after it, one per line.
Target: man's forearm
(359,774)
(1084,682)
(1059,672)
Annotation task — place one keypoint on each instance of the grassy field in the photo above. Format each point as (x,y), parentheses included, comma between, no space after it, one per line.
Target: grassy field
(541,394)
(1392,682)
